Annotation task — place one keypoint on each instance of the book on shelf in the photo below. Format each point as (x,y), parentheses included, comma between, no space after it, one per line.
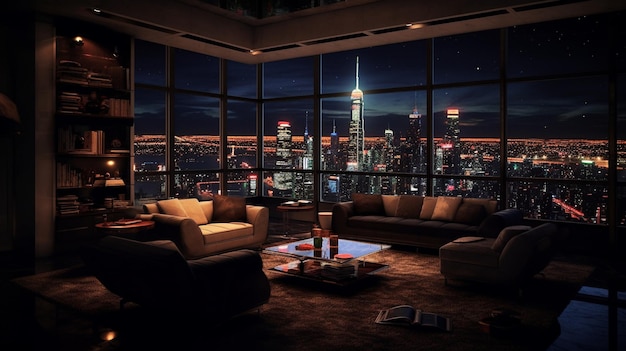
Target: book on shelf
(410,316)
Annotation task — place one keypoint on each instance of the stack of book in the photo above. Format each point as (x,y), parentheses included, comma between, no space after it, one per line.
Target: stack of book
(337,271)
(68,204)
(72,72)
(70,102)
(99,80)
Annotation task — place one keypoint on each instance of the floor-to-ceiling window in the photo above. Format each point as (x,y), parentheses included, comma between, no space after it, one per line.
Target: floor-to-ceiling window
(523,114)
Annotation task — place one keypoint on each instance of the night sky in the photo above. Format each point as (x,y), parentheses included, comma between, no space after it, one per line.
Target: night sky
(571,107)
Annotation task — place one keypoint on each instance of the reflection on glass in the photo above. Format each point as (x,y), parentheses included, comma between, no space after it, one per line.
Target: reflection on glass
(585,203)
(149,188)
(201,186)
(242,183)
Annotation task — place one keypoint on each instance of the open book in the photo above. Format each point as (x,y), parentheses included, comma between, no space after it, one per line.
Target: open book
(408,315)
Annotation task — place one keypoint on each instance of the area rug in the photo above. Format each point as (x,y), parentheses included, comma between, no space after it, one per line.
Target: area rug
(303,315)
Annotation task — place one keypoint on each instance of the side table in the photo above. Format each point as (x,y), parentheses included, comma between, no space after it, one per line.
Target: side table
(127,230)
(286,209)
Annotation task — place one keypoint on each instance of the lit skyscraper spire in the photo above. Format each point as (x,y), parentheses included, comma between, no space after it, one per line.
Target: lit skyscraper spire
(356,145)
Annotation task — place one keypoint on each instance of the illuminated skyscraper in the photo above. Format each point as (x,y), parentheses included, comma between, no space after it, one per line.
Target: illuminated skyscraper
(357,129)
(450,143)
(283,145)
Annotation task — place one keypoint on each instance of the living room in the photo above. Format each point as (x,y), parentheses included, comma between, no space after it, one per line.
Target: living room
(31,196)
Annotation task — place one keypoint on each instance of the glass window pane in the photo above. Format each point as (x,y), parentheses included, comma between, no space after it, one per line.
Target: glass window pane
(241,79)
(393,137)
(149,63)
(621,128)
(292,77)
(286,125)
(196,128)
(467,187)
(241,134)
(201,186)
(466,128)
(571,45)
(194,71)
(585,203)
(242,183)
(558,129)
(149,188)
(288,184)
(467,57)
(380,67)
(150,126)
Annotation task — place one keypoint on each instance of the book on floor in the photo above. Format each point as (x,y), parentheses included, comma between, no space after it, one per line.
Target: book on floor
(409,315)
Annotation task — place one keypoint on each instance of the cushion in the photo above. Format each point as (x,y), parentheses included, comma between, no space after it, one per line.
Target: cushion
(445,208)
(470,213)
(368,204)
(428,206)
(390,203)
(410,206)
(194,210)
(151,207)
(507,234)
(229,208)
(172,207)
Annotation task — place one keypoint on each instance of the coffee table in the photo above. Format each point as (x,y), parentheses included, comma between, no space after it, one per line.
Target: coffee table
(325,264)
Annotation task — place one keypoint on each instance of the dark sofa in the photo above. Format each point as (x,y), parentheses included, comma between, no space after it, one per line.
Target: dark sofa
(421,221)
(155,275)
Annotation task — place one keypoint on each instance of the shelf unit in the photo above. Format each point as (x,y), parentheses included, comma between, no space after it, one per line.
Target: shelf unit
(93,121)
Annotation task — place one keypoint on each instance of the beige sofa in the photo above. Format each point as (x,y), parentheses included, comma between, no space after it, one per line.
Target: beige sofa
(203,228)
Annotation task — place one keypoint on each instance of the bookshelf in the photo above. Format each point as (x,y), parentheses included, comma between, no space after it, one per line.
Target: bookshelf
(93,121)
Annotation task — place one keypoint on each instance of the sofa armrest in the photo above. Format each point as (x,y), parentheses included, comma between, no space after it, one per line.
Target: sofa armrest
(183,231)
(491,226)
(528,253)
(341,212)
(259,217)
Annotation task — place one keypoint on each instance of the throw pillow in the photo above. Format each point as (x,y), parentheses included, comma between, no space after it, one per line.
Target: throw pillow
(469,213)
(410,206)
(445,208)
(507,234)
(172,207)
(428,206)
(194,210)
(228,209)
(368,204)
(390,203)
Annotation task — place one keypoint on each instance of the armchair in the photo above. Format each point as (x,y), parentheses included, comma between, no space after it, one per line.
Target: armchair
(516,255)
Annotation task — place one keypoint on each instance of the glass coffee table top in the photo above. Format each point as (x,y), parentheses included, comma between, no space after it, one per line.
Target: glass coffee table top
(352,248)
(340,266)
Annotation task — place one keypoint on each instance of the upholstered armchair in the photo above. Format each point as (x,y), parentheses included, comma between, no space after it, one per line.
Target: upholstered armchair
(155,275)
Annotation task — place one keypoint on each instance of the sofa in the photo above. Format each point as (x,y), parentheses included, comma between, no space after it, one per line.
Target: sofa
(511,259)
(203,228)
(420,221)
(155,275)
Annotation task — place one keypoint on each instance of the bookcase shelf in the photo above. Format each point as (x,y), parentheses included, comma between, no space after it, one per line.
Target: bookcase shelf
(93,119)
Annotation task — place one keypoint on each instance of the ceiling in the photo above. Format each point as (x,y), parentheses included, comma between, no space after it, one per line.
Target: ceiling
(198,26)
